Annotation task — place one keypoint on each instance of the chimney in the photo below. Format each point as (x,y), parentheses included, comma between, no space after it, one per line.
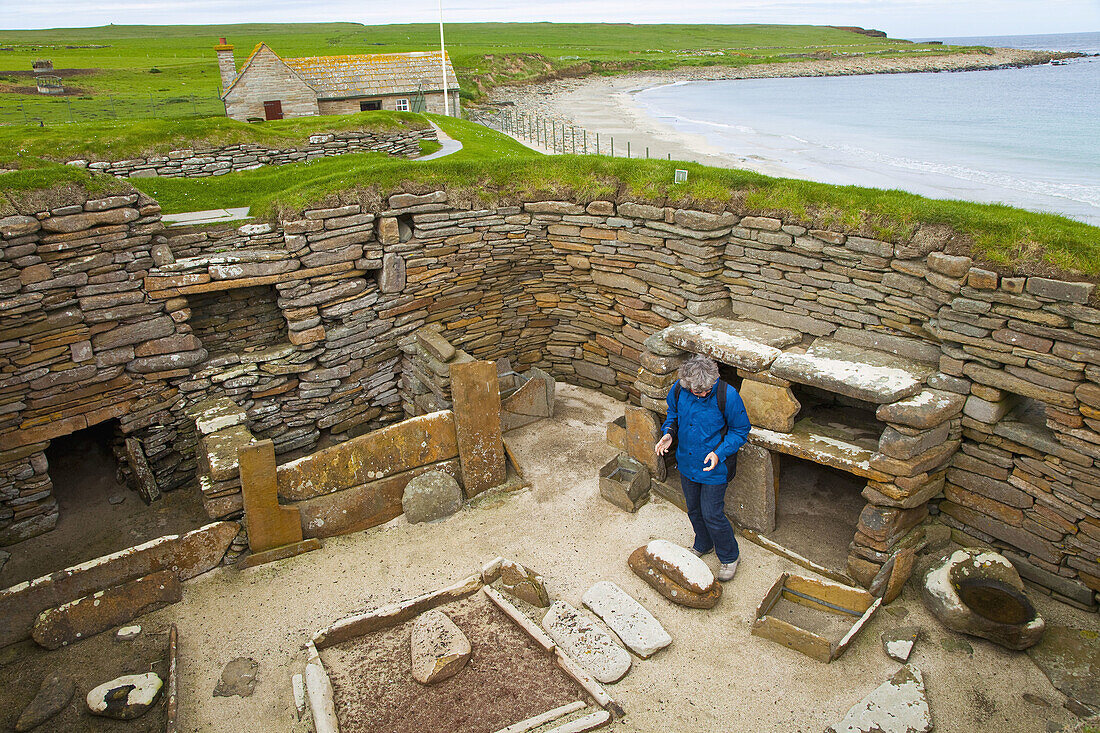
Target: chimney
(226,64)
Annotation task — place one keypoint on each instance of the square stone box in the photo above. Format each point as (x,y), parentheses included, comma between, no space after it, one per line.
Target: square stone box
(625,483)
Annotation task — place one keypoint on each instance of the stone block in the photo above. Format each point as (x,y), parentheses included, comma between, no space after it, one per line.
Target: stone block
(769,406)
(579,637)
(904,447)
(924,410)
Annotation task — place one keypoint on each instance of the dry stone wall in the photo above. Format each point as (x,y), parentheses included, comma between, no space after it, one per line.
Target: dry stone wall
(105,314)
(202,162)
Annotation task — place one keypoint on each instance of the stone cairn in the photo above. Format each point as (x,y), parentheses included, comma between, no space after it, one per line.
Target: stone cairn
(106,315)
(202,162)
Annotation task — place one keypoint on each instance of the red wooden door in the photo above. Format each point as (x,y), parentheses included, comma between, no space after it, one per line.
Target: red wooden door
(273,110)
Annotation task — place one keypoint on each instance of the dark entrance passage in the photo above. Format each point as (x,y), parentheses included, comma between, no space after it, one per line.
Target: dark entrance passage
(817,509)
(85,476)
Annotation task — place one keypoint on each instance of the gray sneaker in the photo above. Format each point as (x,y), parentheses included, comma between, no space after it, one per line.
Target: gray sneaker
(699,554)
(727,570)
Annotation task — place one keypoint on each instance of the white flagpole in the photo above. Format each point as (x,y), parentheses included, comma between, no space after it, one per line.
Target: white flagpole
(443,64)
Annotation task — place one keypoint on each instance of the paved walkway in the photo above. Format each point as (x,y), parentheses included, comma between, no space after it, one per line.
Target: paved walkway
(450,145)
(205,217)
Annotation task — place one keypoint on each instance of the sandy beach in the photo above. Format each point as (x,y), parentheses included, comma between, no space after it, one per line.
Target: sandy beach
(606,105)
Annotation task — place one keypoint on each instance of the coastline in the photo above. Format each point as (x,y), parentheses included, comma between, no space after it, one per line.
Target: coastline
(606,104)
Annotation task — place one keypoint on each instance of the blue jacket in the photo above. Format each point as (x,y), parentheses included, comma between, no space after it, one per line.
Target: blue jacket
(699,424)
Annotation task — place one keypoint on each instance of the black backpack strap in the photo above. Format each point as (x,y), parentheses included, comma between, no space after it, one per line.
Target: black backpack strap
(731,462)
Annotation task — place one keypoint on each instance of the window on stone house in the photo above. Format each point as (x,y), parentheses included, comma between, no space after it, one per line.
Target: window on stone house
(402,105)
(370,105)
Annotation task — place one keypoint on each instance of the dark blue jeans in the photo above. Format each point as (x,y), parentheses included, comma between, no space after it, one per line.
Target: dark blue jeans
(706,508)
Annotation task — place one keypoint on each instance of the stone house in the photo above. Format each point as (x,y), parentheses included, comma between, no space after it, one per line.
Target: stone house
(269,87)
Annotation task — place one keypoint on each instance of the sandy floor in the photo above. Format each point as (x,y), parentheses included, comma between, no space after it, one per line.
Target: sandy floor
(715,676)
(606,104)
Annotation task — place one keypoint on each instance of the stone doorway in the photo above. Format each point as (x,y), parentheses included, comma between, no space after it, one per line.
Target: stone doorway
(97,512)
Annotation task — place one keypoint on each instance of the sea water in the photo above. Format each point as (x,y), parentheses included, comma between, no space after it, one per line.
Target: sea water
(1027,137)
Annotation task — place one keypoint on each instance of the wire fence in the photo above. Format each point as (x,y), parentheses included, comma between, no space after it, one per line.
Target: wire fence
(66,109)
(559,136)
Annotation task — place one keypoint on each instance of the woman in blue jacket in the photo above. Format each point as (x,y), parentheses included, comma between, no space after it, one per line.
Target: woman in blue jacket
(710,424)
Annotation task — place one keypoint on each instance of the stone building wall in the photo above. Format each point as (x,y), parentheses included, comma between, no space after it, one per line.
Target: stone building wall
(107,301)
(433,104)
(199,163)
(269,79)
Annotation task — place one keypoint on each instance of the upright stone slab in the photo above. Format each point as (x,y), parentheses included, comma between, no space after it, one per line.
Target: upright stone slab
(642,433)
(632,623)
(269,525)
(476,392)
(750,496)
(586,643)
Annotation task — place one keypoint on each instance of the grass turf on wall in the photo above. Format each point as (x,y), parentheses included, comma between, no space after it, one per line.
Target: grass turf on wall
(111,141)
(493,168)
(171,71)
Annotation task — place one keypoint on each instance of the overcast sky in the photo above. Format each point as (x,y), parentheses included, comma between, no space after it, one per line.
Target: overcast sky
(899,18)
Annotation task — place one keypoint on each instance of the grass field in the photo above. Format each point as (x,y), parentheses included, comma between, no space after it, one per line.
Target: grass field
(126,72)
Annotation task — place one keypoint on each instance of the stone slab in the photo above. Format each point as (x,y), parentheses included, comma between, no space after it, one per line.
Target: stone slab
(632,623)
(188,555)
(924,410)
(392,450)
(742,344)
(751,495)
(681,565)
(826,442)
(871,376)
(578,636)
(526,405)
(269,524)
(90,615)
(438,647)
(669,588)
(643,429)
(1070,658)
(476,392)
(899,705)
(363,506)
(898,643)
(52,697)
(280,553)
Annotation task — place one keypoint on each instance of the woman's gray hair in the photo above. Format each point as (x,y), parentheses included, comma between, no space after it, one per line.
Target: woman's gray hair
(698,374)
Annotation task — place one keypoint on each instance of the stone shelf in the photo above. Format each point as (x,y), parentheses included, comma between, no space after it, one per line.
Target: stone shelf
(743,344)
(871,376)
(826,441)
